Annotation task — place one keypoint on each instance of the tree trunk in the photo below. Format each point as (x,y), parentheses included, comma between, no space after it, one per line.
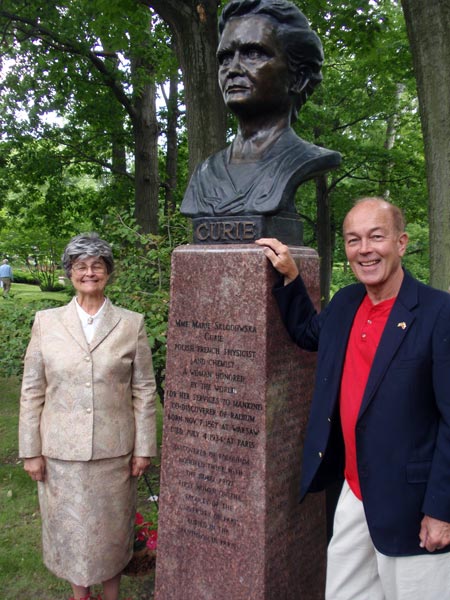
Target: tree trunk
(119,159)
(122,183)
(172,146)
(324,241)
(194,25)
(428,26)
(391,131)
(145,130)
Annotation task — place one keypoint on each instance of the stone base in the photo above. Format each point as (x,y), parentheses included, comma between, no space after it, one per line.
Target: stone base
(236,407)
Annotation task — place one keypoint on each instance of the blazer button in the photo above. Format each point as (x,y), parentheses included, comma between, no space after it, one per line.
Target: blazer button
(320,454)
(89,410)
(87,358)
(88,384)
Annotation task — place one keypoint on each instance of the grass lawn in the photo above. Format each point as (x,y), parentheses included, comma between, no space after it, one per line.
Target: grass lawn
(24,292)
(23,574)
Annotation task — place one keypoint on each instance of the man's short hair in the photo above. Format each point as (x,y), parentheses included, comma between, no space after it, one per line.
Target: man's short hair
(398,217)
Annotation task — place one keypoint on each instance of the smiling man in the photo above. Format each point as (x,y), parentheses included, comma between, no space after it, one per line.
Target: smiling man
(269,63)
(380,417)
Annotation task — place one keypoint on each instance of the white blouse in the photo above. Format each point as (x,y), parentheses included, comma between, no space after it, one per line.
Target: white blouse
(89,322)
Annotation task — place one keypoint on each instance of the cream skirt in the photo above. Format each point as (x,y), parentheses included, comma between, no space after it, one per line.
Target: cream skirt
(88,511)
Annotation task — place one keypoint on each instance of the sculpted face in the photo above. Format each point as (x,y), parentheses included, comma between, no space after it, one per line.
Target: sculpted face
(253,72)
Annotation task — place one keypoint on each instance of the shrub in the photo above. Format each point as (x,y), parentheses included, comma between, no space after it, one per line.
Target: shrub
(15,330)
(21,276)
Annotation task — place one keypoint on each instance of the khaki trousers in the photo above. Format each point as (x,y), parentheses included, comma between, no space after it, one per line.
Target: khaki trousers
(357,571)
(6,281)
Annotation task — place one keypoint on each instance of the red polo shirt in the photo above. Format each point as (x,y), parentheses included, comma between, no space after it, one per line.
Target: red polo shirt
(365,336)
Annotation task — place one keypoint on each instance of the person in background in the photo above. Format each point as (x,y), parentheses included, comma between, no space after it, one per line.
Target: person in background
(380,416)
(87,423)
(6,276)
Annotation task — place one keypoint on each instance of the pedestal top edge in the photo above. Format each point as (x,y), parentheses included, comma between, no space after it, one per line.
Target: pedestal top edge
(238,248)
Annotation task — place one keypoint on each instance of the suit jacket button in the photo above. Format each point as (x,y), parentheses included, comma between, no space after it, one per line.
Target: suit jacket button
(89,410)
(320,454)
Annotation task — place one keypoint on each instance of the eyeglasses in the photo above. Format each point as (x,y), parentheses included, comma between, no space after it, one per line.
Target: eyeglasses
(82,268)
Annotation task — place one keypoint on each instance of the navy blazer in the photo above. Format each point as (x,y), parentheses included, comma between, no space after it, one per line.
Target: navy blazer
(403,427)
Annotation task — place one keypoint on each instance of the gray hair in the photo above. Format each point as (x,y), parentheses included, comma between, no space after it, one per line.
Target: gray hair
(87,244)
(302,46)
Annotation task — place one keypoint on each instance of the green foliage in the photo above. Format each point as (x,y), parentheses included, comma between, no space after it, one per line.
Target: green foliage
(365,108)
(16,320)
(416,257)
(47,275)
(70,106)
(342,275)
(39,251)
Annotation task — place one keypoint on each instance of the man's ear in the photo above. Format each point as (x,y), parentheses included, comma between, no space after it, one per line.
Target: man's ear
(402,243)
(300,80)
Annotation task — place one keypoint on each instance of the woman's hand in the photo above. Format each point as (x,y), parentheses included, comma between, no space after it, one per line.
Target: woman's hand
(35,467)
(279,255)
(139,464)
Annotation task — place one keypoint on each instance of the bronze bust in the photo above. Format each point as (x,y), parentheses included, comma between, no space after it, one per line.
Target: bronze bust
(269,63)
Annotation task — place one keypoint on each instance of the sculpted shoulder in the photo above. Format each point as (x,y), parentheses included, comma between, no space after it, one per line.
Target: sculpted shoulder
(265,186)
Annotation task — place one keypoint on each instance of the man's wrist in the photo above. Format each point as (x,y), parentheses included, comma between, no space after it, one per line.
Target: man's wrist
(290,278)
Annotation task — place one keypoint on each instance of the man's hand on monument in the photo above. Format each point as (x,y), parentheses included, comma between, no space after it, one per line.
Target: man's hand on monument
(279,255)
(434,534)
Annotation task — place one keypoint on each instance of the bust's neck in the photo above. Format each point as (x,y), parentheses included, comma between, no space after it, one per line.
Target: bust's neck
(253,139)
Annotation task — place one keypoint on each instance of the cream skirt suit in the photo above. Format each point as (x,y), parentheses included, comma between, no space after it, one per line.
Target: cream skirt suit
(87,408)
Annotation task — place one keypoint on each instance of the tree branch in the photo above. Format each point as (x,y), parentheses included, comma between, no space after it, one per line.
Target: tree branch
(53,40)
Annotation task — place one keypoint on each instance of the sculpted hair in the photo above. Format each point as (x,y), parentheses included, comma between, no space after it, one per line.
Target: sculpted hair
(86,245)
(301,44)
(398,217)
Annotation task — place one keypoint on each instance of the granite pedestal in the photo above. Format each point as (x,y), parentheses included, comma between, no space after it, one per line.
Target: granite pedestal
(236,405)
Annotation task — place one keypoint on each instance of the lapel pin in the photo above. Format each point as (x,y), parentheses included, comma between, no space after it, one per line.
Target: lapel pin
(402,325)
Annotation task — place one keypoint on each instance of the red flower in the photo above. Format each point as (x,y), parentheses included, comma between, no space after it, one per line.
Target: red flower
(139,519)
(152,540)
(143,534)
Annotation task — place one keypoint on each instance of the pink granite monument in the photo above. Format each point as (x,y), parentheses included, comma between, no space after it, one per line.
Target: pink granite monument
(236,405)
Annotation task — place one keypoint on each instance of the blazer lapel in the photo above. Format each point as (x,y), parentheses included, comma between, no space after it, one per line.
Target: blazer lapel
(344,324)
(72,323)
(109,320)
(397,326)
(341,333)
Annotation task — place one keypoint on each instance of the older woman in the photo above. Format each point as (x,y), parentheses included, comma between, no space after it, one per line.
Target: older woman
(87,423)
